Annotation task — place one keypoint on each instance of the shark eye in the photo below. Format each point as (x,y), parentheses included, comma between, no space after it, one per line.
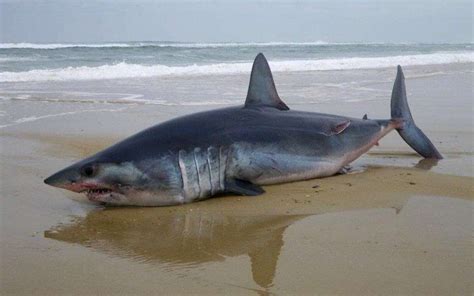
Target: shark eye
(88,170)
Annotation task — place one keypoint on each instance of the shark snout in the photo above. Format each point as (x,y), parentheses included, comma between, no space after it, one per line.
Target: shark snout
(66,179)
(50,181)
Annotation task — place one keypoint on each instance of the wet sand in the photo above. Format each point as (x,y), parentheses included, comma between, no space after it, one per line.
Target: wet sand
(394,225)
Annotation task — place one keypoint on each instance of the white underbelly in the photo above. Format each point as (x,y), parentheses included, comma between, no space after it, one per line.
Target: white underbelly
(297,170)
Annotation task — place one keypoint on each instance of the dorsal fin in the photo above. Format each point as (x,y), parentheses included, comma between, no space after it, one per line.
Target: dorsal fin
(262,91)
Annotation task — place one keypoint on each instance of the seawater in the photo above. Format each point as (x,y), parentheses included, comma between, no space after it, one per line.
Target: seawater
(45,81)
(23,62)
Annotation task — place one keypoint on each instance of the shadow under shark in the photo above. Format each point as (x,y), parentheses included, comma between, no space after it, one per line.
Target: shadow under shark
(235,150)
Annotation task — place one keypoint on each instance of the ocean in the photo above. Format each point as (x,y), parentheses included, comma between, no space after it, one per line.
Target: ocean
(197,74)
(62,62)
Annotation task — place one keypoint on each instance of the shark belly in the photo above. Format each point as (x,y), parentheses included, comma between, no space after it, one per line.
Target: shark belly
(268,164)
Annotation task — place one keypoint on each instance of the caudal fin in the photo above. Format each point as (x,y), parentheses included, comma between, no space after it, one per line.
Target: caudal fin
(412,135)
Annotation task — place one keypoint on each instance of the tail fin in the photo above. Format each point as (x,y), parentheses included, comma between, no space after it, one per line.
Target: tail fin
(412,135)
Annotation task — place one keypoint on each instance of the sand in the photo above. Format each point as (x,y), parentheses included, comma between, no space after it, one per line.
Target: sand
(395,225)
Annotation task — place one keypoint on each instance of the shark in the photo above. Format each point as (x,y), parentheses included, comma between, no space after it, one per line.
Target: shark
(236,150)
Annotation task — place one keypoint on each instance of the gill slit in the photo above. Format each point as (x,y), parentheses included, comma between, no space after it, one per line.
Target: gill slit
(197,172)
(209,170)
(184,176)
(222,167)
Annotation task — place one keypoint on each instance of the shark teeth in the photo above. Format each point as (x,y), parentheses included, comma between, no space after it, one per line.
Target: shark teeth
(98,191)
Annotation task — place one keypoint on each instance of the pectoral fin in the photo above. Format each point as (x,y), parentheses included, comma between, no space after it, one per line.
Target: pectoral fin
(242,187)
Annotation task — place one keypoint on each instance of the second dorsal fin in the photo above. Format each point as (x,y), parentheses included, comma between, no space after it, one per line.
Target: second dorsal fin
(262,91)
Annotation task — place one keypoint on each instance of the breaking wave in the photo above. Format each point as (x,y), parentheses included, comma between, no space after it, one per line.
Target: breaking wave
(25,45)
(58,45)
(125,70)
(157,44)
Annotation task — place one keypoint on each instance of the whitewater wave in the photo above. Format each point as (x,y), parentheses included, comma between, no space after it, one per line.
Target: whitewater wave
(157,44)
(59,45)
(125,70)
(25,45)
(240,44)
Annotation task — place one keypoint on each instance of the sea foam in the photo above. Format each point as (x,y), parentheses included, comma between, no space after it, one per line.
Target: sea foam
(59,45)
(125,70)
(158,44)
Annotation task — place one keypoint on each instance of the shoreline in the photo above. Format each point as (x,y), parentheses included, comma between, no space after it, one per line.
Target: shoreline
(382,229)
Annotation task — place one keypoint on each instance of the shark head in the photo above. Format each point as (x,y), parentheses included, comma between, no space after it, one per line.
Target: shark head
(120,183)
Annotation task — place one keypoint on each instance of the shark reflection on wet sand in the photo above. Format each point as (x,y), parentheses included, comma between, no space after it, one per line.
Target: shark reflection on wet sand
(185,239)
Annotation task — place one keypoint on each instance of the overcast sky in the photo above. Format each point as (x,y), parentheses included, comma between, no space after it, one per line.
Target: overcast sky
(215,21)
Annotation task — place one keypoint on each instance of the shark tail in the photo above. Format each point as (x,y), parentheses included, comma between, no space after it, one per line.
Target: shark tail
(405,125)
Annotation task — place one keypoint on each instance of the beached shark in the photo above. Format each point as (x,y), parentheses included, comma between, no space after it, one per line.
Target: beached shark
(235,150)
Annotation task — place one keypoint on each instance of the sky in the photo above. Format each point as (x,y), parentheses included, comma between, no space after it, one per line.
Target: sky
(426,21)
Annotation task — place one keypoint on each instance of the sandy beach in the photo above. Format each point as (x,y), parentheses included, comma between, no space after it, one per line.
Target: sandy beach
(396,224)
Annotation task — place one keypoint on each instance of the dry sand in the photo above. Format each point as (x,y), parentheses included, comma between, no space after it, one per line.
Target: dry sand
(396,225)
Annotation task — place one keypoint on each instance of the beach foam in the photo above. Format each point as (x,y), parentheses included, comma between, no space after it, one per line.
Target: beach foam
(36,118)
(125,70)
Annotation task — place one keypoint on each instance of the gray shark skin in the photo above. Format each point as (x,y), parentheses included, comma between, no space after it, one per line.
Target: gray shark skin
(235,150)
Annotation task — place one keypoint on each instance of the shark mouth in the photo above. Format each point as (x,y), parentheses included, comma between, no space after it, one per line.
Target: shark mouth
(97,194)
(99,191)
